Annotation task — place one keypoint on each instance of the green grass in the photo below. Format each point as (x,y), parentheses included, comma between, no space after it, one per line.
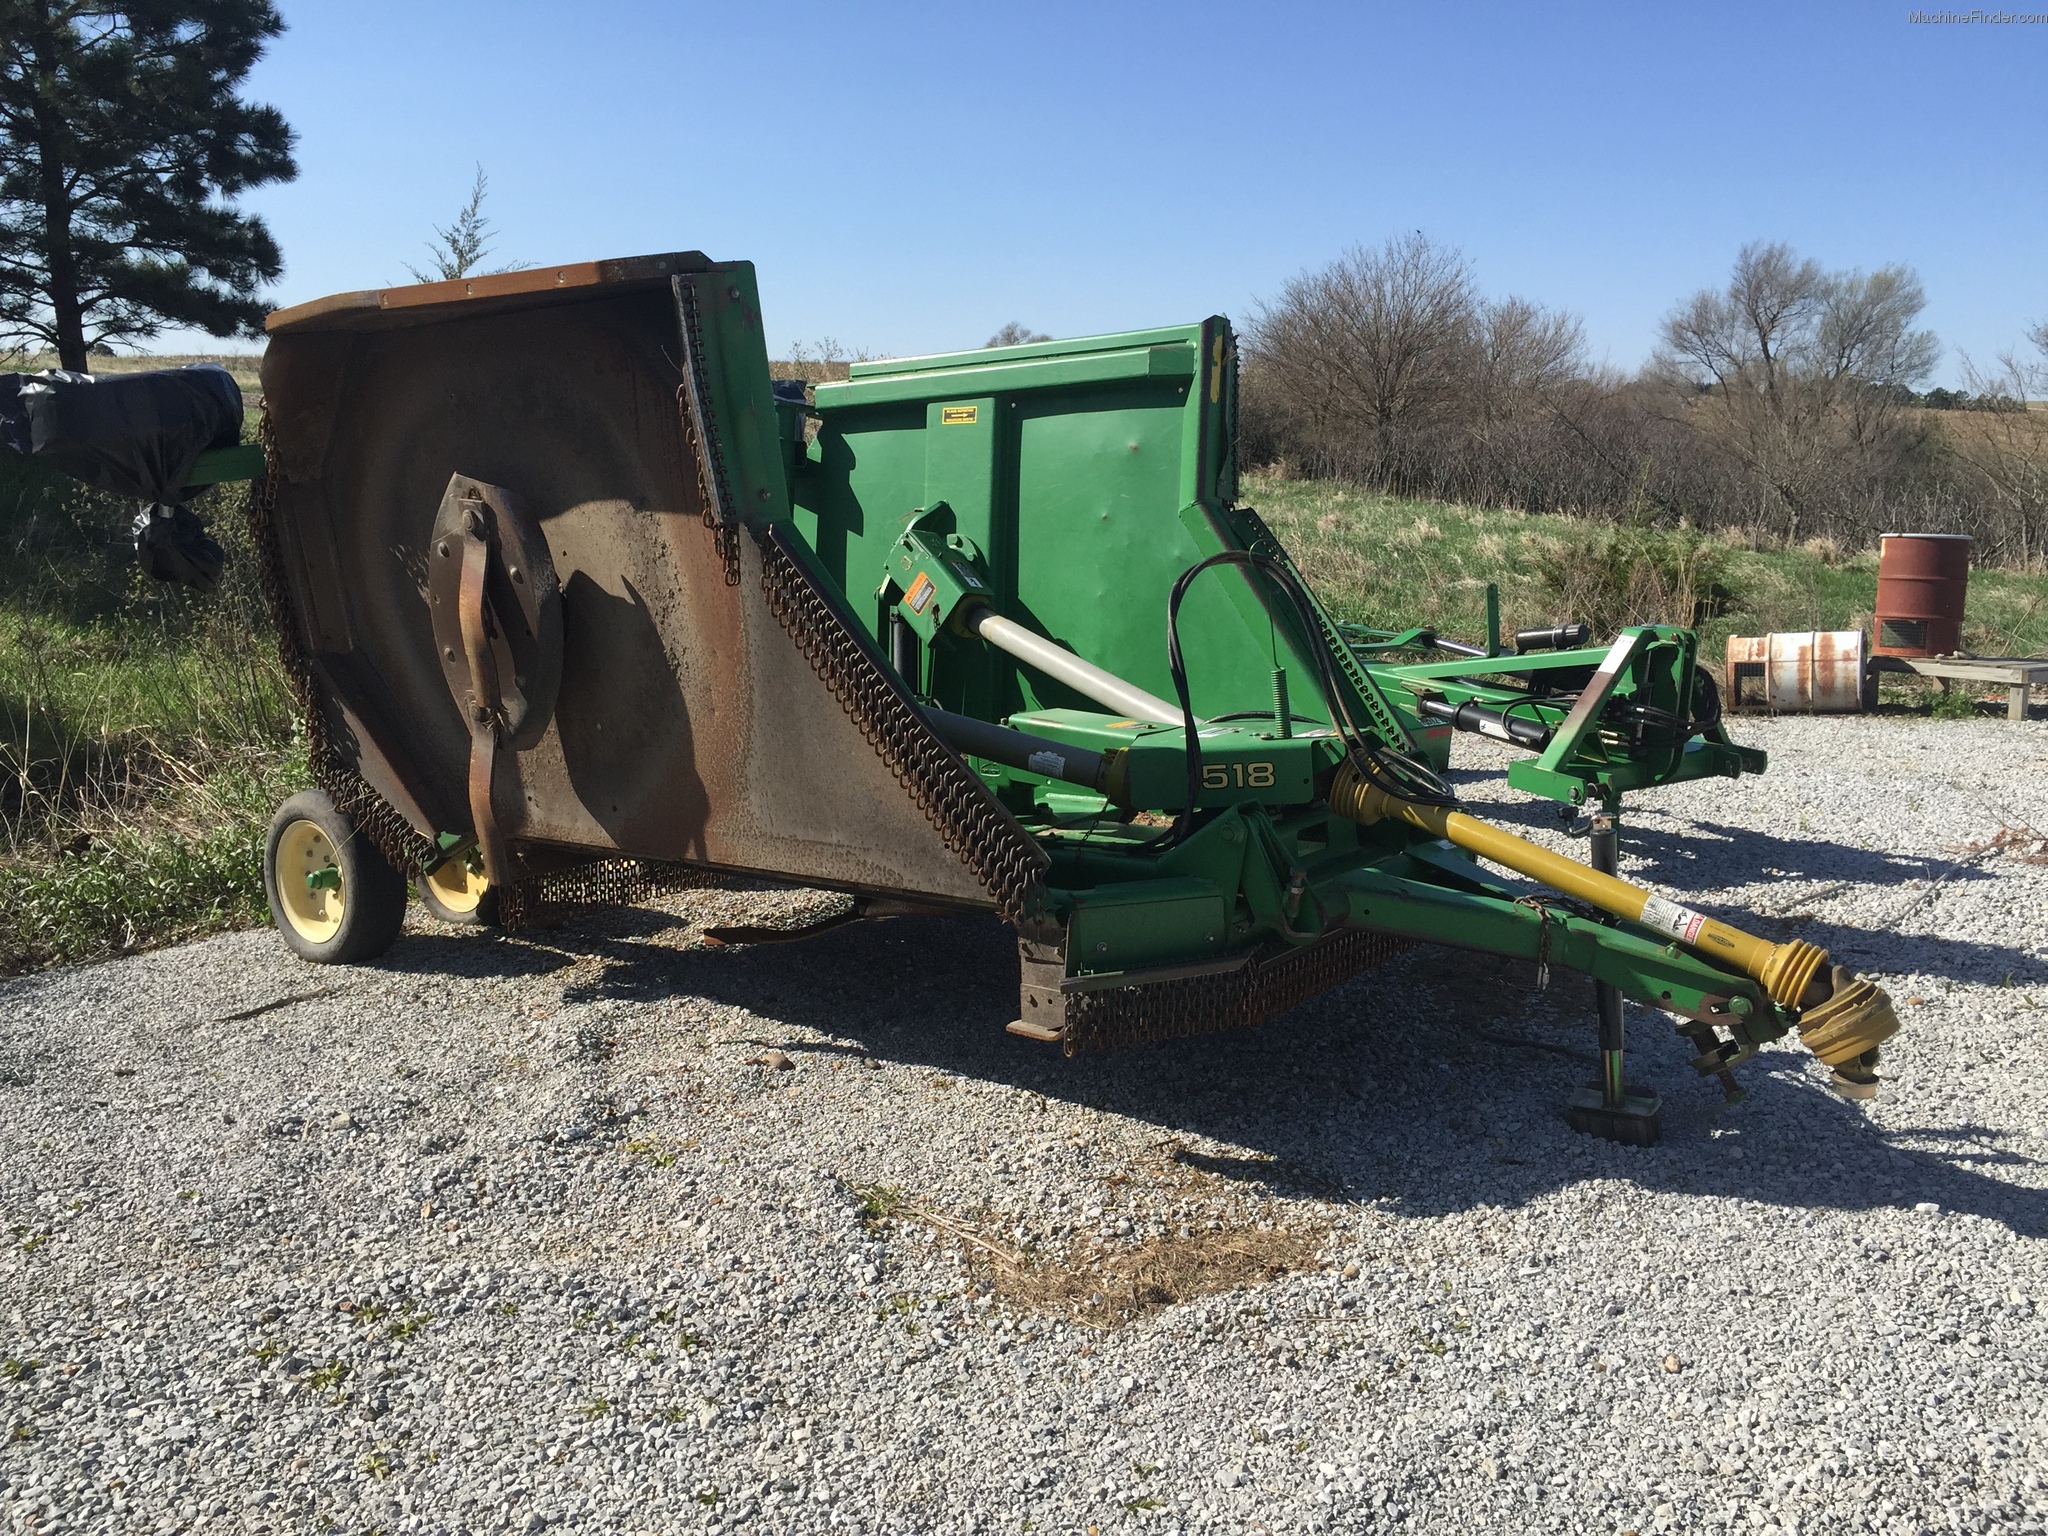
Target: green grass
(1391,562)
(146,733)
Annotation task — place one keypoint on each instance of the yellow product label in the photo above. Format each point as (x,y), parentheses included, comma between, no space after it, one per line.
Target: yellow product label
(959,415)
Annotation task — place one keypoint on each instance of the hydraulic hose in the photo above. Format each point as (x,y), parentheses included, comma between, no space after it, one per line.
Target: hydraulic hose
(1842,1018)
(1102,772)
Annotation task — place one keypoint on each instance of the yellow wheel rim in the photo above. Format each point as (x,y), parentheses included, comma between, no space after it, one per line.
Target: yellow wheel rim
(314,911)
(456,886)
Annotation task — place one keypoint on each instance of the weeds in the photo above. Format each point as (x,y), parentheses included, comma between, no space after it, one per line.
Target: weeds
(1424,1341)
(652,1152)
(1365,558)
(876,1204)
(1954,704)
(2021,843)
(1613,576)
(146,733)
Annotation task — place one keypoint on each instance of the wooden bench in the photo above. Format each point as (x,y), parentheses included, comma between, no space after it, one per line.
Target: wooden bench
(2017,673)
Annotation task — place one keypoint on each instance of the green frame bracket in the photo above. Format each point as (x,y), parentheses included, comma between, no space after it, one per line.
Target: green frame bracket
(244,461)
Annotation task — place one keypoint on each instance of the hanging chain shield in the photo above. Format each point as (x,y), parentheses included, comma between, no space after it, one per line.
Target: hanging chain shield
(987,838)
(372,816)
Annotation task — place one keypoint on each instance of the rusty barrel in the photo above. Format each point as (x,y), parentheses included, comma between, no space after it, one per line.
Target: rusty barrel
(1809,671)
(1922,580)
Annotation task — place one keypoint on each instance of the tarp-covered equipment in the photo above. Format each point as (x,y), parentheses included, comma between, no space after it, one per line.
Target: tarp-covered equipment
(135,435)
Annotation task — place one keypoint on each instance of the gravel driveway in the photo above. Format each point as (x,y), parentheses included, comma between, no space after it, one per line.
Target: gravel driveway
(526,1233)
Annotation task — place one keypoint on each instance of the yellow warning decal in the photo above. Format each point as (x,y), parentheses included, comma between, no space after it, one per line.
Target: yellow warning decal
(921,593)
(959,415)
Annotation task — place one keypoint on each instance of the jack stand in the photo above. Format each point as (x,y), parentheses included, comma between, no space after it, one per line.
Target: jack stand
(1612,1108)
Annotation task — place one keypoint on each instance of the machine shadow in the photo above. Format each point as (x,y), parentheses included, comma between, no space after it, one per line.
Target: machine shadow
(1435,1083)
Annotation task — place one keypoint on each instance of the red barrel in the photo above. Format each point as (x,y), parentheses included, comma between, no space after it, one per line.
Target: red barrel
(1922,580)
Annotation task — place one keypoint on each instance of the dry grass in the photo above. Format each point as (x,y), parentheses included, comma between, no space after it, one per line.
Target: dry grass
(242,365)
(2021,843)
(1102,1287)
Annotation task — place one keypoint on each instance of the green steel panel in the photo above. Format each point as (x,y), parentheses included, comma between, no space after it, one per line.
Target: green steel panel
(242,462)
(855,492)
(1146,922)
(939,362)
(1090,474)
(962,459)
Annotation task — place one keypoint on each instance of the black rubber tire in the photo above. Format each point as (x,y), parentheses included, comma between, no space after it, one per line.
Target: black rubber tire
(373,894)
(483,915)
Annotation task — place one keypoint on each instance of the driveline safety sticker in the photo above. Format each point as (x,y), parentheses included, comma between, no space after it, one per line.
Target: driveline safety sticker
(921,593)
(1051,764)
(1682,923)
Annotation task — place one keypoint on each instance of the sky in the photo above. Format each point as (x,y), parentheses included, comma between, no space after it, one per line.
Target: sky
(907,178)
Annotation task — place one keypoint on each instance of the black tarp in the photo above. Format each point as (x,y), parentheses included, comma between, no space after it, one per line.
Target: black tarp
(135,435)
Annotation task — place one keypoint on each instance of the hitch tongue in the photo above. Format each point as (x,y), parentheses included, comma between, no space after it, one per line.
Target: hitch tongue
(1842,1018)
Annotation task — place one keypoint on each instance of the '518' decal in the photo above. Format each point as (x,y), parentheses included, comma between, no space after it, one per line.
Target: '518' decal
(1243,775)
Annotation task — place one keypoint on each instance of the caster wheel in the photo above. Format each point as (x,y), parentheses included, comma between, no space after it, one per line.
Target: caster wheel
(455,893)
(332,895)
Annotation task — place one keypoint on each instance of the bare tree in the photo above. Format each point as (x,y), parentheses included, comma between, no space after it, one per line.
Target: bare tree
(2002,448)
(1371,348)
(1523,351)
(1016,334)
(1781,403)
(1802,375)
(1738,339)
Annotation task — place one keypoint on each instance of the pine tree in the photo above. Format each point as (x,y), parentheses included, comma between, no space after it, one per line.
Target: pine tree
(123,142)
(459,250)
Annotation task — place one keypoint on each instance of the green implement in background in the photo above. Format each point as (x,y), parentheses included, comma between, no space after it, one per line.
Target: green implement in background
(1634,714)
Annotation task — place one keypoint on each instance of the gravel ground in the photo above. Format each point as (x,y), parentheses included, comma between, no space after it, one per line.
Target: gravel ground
(507,1233)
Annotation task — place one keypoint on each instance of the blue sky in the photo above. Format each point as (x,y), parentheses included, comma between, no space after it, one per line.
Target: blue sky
(907,178)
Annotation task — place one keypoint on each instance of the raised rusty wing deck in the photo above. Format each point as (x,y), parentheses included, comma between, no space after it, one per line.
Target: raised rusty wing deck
(721,722)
